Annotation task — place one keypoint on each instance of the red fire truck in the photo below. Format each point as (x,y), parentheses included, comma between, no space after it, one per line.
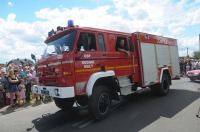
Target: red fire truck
(70,71)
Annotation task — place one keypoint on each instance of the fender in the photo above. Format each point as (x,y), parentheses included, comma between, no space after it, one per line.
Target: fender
(94,77)
(161,74)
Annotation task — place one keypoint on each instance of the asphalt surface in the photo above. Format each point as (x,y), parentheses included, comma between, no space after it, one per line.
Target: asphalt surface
(143,112)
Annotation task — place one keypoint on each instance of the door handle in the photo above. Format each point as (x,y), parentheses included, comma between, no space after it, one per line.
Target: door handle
(104,54)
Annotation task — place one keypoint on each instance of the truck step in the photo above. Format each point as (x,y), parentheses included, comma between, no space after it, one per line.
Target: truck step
(127,90)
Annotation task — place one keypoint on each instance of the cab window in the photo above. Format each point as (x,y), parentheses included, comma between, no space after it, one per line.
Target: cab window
(86,42)
(121,43)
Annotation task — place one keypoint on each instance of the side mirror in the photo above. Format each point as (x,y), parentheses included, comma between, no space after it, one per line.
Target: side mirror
(33,57)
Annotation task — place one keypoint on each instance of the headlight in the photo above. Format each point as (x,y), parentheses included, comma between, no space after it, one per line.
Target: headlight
(196,73)
(57,92)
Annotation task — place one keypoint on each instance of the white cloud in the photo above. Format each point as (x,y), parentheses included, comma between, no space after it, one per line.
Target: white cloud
(192,43)
(156,13)
(10,3)
(11,17)
(176,28)
(194,16)
(19,40)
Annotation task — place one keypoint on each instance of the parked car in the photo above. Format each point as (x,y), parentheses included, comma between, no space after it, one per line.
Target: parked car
(194,75)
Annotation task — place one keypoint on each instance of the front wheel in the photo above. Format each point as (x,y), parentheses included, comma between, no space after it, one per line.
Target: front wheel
(100,102)
(64,104)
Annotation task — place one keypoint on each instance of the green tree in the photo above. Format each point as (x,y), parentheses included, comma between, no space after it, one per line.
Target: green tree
(196,54)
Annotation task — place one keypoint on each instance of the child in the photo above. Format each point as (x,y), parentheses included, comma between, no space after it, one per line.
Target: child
(21,88)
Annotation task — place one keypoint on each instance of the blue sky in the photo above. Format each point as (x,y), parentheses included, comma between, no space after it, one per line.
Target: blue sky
(24,23)
(26,9)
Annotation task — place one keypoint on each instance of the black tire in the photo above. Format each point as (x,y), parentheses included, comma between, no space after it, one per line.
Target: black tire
(64,104)
(100,102)
(164,86)
(192,79)
(161,89)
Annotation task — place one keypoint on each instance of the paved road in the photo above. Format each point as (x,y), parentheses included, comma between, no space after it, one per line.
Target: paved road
(140,112)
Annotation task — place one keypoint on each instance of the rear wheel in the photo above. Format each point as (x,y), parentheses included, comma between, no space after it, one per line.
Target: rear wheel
(100,102)
(64,104)
(162,88)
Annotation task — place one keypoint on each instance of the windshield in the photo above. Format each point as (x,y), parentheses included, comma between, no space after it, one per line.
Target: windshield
(62,44)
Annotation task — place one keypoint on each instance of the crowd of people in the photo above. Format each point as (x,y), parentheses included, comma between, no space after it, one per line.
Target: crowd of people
(16,82)
(188,64)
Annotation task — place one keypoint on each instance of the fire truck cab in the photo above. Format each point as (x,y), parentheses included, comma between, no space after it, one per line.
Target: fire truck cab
(83,65)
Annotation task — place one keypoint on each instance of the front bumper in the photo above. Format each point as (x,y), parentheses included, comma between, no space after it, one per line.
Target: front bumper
(194,76)
(58,92)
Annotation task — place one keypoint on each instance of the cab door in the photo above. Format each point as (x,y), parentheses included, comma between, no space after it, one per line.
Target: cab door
(87,61)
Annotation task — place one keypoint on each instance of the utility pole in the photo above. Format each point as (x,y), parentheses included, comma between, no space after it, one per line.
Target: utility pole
(199,42)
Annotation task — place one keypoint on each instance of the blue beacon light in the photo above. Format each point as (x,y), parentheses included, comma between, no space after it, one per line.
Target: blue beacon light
(50,34)
(70,23)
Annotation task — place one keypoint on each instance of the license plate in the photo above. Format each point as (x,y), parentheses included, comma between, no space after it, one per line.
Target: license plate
(45,92)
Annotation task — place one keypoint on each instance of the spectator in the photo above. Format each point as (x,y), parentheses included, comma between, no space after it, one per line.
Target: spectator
(9,68)
(3,68)
(28,85)
(184,66)
(20,69)
(198,65)
(3,79)
(18,76)
(31,67)
(181,63)
(13,87)
(21,88)
(24,77)
(33,82)
(190,64)
(2,88)
(1,94)
(187,67)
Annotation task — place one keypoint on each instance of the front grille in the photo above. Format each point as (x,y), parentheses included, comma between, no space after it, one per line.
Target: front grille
(49,81)
(49,71)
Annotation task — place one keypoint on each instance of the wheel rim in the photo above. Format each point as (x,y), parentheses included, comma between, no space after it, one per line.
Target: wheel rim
(103,103)
(165,85)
